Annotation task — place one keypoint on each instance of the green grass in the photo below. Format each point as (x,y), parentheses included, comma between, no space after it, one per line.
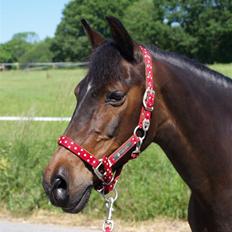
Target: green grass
(41,93)
(225,69)
(149,186)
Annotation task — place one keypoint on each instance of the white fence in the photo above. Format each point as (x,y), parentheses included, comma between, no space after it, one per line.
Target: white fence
(9,66)
(37,119)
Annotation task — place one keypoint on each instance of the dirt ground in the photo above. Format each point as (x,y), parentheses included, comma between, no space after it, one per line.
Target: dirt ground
(157,225)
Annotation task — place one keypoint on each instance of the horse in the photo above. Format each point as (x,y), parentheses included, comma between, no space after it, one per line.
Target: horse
(191,121)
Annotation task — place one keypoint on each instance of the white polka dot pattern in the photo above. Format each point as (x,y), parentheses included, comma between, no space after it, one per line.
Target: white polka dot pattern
(78,151)
(109,177)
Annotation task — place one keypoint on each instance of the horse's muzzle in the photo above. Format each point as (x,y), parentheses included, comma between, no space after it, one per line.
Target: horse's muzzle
(59,194)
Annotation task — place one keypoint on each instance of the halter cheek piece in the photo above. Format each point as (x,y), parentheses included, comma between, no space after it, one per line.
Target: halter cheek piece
(105,168)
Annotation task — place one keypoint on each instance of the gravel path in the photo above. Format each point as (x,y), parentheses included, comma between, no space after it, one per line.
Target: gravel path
(46,221)
(7,226)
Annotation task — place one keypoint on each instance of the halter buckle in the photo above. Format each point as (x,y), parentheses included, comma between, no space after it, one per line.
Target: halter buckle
(139,144)
(148,91)
(98,172)
(146,124)
(100,175)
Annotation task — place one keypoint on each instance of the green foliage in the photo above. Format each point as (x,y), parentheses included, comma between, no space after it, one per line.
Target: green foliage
(25,47)
(14,49)
(153,27)
(149,186)
(5,54)
(210,23)
(70,42)
(21,163)
(19,44)
(200,29)
(39,52)
(29,37)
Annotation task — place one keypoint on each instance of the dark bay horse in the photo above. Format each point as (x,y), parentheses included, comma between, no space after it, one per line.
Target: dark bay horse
(191,121)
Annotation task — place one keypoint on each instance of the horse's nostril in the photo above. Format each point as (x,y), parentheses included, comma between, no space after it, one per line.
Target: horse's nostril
(60,191)
(60,183)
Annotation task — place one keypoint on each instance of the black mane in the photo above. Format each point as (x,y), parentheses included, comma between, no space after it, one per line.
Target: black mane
(104,65)
(191,64)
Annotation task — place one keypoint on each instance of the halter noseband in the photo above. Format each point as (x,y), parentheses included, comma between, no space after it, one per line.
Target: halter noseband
(105,168)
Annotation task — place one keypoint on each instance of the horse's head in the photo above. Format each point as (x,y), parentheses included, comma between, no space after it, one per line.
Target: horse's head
(109,101)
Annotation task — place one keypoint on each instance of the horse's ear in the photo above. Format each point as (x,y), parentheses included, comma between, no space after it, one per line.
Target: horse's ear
(95,37)
(122,38)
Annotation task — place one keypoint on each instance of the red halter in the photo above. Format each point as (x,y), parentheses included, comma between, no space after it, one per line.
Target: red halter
(105,168)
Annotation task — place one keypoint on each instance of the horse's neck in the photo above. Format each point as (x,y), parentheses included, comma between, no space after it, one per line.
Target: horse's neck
(189,128)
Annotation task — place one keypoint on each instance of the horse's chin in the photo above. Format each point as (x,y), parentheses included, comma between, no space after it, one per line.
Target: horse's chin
(80,204)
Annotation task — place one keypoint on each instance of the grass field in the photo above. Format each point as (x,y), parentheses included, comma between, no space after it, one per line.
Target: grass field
(40,93)
(153,187)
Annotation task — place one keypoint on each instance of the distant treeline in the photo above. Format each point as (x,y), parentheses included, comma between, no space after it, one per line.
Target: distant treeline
(201,29)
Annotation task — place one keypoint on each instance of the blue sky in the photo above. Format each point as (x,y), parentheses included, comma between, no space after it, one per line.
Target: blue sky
(40,16)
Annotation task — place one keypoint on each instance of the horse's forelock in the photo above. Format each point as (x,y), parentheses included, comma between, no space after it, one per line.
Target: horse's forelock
(105,65)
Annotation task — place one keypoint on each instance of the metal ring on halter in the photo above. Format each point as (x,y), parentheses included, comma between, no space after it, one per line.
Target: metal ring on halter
(101,191)
(151,91)
(137,129)
(114,198)
(139,144)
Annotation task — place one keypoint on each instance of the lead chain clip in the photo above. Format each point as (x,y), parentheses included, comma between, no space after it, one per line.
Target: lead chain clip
(108,224)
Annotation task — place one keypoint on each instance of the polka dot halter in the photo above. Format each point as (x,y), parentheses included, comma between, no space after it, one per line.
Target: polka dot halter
(104,168)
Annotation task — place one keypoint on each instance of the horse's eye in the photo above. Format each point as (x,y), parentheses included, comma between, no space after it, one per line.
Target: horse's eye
(115,98)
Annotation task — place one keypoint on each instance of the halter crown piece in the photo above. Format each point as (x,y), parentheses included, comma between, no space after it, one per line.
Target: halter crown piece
(106,168)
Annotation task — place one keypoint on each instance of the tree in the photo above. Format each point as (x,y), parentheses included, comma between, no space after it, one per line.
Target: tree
(39,52)
(153,26)
(25,47)
(211,23)
(5,54)
(201,29)
(70,42)
(29,37)
(208,22)
(14,49)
